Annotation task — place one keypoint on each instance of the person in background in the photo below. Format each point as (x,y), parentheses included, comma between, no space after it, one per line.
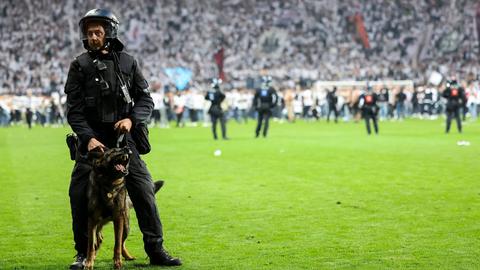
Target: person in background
(455,95)
(332,100)
(216,97)
(368,105)
(264,101)
(473,96)
(400,99)
(157,98)
(179,107)
(383,97)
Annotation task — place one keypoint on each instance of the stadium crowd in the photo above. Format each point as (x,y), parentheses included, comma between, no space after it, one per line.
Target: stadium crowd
(292,39)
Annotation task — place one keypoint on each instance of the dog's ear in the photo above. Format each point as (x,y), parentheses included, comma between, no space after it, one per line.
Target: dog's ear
(95,153)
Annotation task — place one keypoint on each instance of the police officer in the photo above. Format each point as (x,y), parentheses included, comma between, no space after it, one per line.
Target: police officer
(264,100)
(368,104)
(332,100)
(216,97)
(107,95)
(455,95)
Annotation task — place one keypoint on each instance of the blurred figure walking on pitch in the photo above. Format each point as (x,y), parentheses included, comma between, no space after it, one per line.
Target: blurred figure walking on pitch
(368,104)
(264,101)
(455,95)
(216,97)
(332,100)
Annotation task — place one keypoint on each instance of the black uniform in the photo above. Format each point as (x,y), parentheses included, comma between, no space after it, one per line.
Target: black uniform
(428,101)
(368,102)
(94,104)
(332,100)
(265,100)
(215,96)
(456,97)
(104,86)
(29,117)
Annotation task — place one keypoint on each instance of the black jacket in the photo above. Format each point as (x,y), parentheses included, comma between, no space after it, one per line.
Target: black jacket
(455,97)
(384,95)
(216,97)
(332,98)
(93,111)
(265,99)
(401,97)
(368,102)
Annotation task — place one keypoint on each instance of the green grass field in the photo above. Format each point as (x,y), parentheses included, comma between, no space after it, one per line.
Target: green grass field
(311,196)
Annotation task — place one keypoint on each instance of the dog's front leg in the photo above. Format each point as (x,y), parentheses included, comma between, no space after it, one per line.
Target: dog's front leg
(92,228)
(118,223)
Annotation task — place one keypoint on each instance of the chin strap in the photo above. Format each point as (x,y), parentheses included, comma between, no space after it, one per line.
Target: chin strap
(106,46)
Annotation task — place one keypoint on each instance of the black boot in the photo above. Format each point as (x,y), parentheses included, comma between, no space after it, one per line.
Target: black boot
(163,258)
(79,263)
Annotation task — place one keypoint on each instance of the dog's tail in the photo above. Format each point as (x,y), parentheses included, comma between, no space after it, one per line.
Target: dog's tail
(158,185)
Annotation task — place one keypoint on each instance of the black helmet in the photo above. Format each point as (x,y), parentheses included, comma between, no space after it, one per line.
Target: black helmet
(216,83)
(110,24)
(452,83)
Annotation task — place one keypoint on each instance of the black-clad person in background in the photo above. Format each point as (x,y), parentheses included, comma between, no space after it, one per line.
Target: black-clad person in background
(368,104)
(455,95)
(216,97)
(400,99)
(264,101)
(332,100)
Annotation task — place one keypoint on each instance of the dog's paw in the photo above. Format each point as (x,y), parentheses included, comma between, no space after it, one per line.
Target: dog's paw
(117,263)
(88,265)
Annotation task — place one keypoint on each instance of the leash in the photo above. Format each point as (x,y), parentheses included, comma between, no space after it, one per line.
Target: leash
(121,138)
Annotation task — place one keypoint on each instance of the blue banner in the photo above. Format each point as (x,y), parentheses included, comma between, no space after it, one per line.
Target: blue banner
(180,76)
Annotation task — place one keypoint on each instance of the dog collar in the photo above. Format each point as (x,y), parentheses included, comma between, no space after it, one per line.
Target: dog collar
(117,185)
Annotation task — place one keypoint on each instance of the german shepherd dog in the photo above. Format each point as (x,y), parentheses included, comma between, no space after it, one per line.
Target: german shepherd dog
(108,201)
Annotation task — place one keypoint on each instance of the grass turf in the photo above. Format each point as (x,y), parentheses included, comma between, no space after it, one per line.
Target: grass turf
(310,196)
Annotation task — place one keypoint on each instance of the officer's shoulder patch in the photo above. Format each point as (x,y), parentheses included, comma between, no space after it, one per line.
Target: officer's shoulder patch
(146,91)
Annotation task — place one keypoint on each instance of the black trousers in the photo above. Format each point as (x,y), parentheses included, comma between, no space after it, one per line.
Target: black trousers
(263,116)
(155,116)
(141,191)
(215,119)
(193,115)
(370,115)
(332,108)
(454,113)
(179,118)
